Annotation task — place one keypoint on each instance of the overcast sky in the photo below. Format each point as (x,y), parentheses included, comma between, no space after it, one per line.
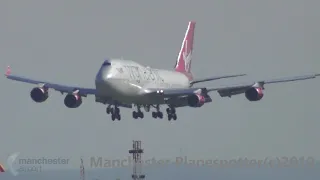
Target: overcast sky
(66,42)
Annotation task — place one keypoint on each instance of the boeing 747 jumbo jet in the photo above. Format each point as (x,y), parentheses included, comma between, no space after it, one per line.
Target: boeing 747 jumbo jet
(125,83)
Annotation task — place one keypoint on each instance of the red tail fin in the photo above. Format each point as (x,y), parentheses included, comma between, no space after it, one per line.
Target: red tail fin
(1,168)
(183,63)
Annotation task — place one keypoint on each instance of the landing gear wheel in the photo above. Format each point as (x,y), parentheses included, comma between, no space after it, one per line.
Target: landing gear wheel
(160,114)
(157,115)
(115,113)
(154,115)
(171,111)
(108,110)
(141,115)
(134,115)
(137,115)
(174,116)
(116,110)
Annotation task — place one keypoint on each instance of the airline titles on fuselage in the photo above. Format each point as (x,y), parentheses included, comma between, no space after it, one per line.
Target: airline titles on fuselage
(141,75)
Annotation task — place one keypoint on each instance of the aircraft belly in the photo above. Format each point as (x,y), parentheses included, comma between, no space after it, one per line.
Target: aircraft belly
(128,92)
(119,90)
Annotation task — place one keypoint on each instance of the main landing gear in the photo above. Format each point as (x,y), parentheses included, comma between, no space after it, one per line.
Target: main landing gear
(171,111)
(137,114)
(114,111)
(158,113)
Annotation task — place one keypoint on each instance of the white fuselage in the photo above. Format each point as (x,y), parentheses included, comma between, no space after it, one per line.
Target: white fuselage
(125,81)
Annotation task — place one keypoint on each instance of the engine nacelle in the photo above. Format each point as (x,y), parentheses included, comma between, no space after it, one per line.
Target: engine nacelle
(39,94)
(254,94)
(196,100)
(72,100)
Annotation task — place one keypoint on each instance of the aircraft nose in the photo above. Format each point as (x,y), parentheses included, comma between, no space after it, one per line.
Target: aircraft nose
(104,73)
(106,63)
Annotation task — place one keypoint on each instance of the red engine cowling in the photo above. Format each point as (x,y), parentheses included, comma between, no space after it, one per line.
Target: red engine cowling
(254,94)
(72,101)
(196,100)
(39,94)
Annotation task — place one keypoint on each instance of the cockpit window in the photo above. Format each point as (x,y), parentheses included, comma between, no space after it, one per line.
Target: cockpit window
(106,63)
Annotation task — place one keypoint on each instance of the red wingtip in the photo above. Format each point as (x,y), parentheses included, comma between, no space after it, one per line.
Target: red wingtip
(8,72)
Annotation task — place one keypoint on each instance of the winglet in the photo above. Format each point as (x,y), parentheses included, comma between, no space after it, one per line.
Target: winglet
(8,72)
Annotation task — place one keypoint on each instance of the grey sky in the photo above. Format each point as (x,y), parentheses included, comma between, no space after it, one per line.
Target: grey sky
(66,42)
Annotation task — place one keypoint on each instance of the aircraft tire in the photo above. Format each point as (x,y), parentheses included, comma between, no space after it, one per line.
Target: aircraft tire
(154,115)
(159,114)
(174,116)
(113,117)
(141,115)
(119,117)
(134,115)
(117,110)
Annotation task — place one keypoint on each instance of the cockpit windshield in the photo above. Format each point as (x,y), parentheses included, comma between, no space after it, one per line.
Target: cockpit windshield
(106,63)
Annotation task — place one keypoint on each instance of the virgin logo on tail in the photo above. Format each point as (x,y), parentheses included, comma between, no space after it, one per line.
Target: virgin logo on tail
(187,56)
(183,63)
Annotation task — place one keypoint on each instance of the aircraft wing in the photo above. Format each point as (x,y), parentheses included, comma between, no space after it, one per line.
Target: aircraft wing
(223,91)
(215,78)
(241,88)
(58,87)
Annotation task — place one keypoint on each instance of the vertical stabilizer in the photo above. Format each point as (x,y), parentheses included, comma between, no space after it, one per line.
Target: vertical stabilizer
(183,63)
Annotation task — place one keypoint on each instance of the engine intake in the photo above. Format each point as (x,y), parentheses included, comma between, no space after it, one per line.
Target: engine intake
(39,94)
(254,94)
(72,101)
(196,100)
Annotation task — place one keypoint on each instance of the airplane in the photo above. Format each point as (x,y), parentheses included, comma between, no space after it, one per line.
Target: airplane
(126,83)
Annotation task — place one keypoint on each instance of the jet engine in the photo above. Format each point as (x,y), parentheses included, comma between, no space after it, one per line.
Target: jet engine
(254,94)
(196,100)
(39,94)
(72,100)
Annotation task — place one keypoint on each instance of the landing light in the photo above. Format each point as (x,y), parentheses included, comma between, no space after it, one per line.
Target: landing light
(109,76)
